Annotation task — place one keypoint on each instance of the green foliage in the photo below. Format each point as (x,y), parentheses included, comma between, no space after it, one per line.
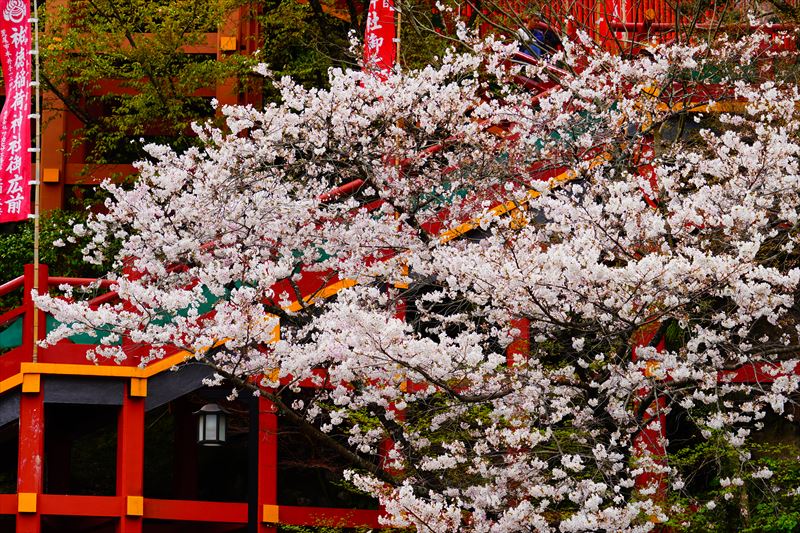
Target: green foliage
(136,48)
(675,336)
(301,43)
(755,505)
(420,43)
(16,246)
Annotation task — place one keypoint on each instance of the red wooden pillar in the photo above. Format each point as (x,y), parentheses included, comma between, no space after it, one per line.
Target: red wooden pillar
(267,466)
(31,456)
(228,42)
(30,460)
(130,457)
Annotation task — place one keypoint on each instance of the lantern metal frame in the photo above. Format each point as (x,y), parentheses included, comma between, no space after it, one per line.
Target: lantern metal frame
(211,425)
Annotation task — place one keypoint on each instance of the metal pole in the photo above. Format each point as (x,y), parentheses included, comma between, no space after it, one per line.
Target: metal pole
(397,35)
(37,116)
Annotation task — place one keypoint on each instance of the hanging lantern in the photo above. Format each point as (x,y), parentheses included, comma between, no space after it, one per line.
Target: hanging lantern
(211,425)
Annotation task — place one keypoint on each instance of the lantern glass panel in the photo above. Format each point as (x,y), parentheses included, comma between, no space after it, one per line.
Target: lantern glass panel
(211,427)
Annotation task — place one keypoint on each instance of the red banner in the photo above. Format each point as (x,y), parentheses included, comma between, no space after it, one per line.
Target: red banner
(379,43)
(15,124)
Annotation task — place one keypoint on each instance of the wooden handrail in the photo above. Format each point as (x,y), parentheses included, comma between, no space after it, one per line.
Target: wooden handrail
(347,188)
(8,316)
(103,298)
(14,284)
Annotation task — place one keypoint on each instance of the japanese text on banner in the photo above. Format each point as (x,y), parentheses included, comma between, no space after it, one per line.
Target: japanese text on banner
(379,43)
(15,129)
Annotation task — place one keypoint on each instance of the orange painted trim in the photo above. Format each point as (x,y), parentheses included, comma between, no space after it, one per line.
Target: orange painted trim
(137,373)
(271,514)
(31,383)
(138,388)
(728,106)
(165,364)
(327,292)
(26,502)
(134,506)
(64,369)
(79,370)
(10,383)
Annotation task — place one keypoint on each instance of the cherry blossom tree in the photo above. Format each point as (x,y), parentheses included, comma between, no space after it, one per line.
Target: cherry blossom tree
(512,294)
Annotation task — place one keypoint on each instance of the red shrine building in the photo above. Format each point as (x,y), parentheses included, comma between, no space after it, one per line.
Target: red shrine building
(121,448)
